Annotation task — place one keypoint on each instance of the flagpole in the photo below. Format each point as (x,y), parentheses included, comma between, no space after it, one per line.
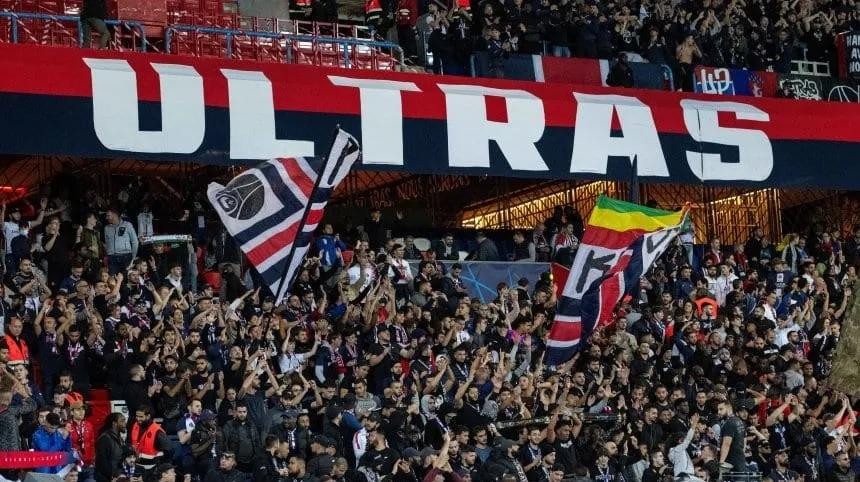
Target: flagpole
(307,210)
(633,191)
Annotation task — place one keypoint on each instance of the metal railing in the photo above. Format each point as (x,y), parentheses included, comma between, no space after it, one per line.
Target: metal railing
(347,48)
(229,35)
(809,67)
(351,48)
(14,19)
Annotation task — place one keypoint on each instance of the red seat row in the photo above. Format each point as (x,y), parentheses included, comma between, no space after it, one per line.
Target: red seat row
(54,7)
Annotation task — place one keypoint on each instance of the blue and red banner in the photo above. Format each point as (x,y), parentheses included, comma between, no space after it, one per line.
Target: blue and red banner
(723,81)
(99,104)
(564,70)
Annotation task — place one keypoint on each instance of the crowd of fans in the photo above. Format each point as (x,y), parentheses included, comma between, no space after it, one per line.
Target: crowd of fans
(374,369)
(753,34)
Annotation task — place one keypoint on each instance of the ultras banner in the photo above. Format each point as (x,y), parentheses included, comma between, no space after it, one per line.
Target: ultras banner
(74,102)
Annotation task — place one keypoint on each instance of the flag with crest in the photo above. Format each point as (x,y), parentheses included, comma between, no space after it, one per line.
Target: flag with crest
(273,209)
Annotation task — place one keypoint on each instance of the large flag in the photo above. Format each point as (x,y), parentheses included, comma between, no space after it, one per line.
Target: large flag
(621,241)
(272,210)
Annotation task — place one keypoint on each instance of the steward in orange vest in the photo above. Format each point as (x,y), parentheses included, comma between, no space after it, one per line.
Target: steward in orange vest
(18,350)
(148,439)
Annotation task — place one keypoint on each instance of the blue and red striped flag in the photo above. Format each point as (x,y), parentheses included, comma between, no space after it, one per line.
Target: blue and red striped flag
(272,209)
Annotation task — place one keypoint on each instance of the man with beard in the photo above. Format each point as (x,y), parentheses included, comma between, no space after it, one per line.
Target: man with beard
(780,471)
(75,355)
(680,421)
(378,457)
(732,435)
(243,439)
(148,438)
(806,463)
(322,451)
(469,461)
(543,472)
(382,356)
(651,433)
(842,471)
(175,390)
(206,386)
(110,448)
(137,393)
(469,415)
(561,434)
(202,445)
(120,355)
(226,471)
(271,467)
(658,469)
(255,395)
(297,471)
(503,461)
(30,285)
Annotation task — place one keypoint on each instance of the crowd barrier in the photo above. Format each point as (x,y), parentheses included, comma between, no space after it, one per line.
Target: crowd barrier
(201,41)
(281,47)
(51,29)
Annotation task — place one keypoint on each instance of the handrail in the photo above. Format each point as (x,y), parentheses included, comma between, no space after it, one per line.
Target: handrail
(287,37)
(144,45)
(14,16)
(228,33)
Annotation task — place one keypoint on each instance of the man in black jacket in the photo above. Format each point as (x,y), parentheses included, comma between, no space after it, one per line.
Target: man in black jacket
(226,471)
(271,467)
(243,439)
(110,448)
(620,75)
(503,461)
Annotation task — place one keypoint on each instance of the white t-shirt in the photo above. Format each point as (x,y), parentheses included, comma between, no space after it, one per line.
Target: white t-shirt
(10,231)
(290,363)
(405,271)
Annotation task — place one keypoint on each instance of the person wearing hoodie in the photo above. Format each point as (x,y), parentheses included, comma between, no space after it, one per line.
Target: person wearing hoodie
(503,461)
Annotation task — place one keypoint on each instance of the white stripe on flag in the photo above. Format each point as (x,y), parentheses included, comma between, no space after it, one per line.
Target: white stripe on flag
(537,65)
(294,188)
(562,344)
(567,318)
(267,234)
(306,168)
